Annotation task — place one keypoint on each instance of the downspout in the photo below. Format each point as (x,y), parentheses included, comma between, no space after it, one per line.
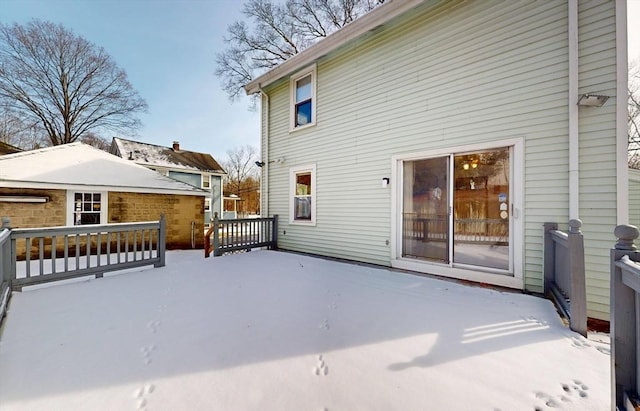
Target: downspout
(622,126)
(574,141)
(264,137)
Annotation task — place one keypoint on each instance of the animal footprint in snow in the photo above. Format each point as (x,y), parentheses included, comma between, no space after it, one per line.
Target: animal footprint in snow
(324,325)
(146,353)
(576,387)
(333,306)
(161,308)
(548,400)
(153,326)
(321,368)
(141,394)
(579,342)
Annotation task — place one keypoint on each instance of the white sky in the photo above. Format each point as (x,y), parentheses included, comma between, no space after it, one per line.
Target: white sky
(280,331)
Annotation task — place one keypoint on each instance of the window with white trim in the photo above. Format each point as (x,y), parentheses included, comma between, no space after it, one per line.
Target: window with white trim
(206,181)
(207,204)
(303,99)
(88,208)
(303,195)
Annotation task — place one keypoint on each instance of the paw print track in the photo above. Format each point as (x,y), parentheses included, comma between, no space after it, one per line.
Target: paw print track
(141,395)
(321,368)
(146,353)
(153,326)
(575,390)
(325,325)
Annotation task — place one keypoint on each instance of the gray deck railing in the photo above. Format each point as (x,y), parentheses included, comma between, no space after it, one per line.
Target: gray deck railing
(40,255)
(240,234)
(5,267)
(624,317)
(564,273)
(435,228)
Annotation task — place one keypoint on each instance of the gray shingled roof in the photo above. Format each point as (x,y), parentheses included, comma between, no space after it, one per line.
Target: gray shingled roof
(153,155)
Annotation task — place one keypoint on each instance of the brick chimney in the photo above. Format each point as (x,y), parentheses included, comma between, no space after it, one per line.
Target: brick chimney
(176,146)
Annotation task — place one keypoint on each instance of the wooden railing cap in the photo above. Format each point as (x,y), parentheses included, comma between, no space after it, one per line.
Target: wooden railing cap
(626,234)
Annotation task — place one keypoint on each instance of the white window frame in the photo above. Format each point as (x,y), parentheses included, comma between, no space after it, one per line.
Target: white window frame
(516,279)
(205,178)
(292,98)
(207,204)
(293,172)
(71,204)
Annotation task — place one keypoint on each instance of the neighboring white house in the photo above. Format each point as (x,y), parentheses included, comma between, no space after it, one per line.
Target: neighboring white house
(439,136)
(77,184)
(191,167)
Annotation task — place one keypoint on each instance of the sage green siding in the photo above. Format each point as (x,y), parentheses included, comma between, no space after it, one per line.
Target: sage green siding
(453,73)
(634,197)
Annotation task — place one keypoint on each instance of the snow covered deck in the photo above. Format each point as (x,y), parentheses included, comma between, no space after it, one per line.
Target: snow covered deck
(277,331)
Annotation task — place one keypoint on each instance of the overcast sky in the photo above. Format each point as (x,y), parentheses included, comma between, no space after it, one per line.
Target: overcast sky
(168,48)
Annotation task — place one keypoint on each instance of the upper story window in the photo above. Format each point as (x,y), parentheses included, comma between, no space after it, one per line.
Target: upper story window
(206,181)
(303,192)
(303,99)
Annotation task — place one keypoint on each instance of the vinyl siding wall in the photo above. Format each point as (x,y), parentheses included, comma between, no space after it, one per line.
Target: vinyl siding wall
(450,74)
(597,127)
(634,197)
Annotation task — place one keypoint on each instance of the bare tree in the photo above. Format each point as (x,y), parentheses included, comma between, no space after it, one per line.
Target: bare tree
(14,131)
(243,177)
(96,141)
(277,32)
(634,114)
(66,85)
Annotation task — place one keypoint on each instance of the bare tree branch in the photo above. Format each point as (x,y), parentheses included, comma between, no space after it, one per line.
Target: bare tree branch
(66,85)
(278,32)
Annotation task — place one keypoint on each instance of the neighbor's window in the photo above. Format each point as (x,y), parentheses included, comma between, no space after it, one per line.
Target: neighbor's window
(303,104)
(87,208)
(207,204)
(205,181)
(303,187)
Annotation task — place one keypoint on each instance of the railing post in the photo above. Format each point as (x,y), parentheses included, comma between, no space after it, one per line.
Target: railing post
(8,264)
(274,234)
(216,235)
(623,316)
(162,241)
(578,322)
(549,257)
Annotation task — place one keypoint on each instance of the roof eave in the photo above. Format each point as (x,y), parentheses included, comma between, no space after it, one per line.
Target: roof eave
(375,18)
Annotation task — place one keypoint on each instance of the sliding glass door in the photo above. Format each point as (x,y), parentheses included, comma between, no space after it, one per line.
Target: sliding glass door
(456,209)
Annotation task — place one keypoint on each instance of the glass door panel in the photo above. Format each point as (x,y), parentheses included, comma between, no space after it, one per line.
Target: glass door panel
(425,218)
(482,209)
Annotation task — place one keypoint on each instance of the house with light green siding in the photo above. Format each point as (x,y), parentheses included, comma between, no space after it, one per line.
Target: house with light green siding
(439,137)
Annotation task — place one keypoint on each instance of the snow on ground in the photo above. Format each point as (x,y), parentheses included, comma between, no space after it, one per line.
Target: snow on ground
(279,331)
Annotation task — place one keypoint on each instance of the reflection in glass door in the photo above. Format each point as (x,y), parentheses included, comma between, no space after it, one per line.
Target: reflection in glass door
(461,220)
(481,209)
(425,217)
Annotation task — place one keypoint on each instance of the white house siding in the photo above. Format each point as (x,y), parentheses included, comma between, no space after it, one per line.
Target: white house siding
(598,194)
(634,197)
(451,74)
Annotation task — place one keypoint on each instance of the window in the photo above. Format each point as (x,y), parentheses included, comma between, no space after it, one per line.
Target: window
(303,104)
(205,181)
(87,208)
(303,201)
(207,204)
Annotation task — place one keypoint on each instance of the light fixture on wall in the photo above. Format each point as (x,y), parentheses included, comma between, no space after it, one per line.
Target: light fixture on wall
(260,163)
(592,100)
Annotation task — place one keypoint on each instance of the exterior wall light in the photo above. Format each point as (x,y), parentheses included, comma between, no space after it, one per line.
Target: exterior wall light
(592,100)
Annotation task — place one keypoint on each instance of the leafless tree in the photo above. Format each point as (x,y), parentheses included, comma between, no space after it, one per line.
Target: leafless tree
(634,115)
(64,84)
(96,141)
(243,177)
(278,31)
(14,131)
